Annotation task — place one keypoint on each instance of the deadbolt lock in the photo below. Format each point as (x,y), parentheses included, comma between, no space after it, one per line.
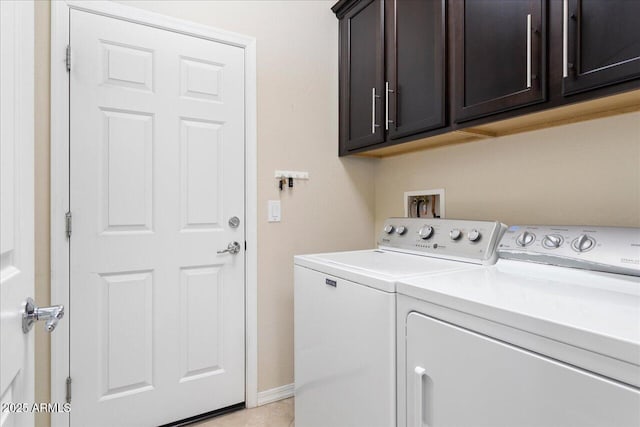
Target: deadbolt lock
(234,222)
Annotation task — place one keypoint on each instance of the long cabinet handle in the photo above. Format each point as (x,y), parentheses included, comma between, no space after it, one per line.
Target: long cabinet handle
(386,119)
(565,38)
(420,373)
(572,67)
(528,50)
(373,110)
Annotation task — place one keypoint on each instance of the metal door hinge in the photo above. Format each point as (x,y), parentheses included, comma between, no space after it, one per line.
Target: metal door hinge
(67,224)
(68,390)
(68,58)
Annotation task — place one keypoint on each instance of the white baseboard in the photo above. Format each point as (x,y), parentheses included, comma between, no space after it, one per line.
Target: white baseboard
(275,394)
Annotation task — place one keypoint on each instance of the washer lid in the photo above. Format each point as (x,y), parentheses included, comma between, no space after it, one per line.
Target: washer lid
(379,269)
(599,312)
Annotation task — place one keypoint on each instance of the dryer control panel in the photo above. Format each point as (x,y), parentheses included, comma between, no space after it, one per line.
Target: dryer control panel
(608,249)
(462,240)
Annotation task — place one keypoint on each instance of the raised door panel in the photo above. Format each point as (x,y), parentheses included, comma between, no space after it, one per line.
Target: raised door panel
(127,346)
(200,174)
(416,70)
(499,56)
(362,73)
(127,181)
(201,303)
(603,43)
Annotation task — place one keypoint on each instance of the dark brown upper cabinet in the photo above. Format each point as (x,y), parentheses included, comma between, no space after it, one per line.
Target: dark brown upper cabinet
(435,72)
(362,81)
(602,43)
(499,55)
(416,66)
(392,70)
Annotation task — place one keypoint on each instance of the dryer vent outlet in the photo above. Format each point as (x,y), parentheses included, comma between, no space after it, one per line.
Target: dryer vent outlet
(424,204)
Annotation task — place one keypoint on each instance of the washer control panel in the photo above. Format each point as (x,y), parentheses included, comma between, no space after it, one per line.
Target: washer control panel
(471,241)
(609,249)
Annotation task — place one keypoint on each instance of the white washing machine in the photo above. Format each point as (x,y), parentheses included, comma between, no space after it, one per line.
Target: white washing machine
(549,336)
(345,314)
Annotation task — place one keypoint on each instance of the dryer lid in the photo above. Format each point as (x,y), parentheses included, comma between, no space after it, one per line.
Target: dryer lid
(377,268)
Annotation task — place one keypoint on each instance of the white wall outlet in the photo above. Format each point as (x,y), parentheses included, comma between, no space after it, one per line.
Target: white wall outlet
(274,211)
(424,203)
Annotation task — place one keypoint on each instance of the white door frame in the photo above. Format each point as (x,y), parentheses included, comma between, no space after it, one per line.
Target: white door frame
(60,11)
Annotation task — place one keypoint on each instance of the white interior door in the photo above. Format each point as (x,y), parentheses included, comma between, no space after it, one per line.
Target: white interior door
(16,210)
(157,172)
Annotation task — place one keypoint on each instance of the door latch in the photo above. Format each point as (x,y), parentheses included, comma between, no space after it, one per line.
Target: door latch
(233,248)
(33,313)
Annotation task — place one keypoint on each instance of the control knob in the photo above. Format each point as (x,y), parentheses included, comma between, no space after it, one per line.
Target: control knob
(401,230)
(525,239)
(388,228)
(583,243)
(552,241)
(455,234)
(425,232)
(474,235)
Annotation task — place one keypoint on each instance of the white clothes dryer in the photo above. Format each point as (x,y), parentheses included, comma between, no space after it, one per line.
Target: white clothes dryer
(345,314)
(549,336)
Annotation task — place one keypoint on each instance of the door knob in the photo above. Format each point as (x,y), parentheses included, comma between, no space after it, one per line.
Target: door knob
(233,248)
(33,313)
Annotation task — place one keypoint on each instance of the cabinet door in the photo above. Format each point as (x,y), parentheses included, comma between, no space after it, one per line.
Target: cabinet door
(416,42)
(455,377)
(362,76)
(602,43)
(499,55)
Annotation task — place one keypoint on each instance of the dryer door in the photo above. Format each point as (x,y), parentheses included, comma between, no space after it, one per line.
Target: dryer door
(457,377)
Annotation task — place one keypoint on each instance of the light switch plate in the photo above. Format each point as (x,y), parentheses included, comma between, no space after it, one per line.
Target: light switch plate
(274,212)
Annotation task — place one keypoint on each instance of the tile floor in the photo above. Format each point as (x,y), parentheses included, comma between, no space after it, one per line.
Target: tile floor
(276,414)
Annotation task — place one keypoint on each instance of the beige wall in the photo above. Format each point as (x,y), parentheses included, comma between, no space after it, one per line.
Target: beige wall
(297,56)
(582,173)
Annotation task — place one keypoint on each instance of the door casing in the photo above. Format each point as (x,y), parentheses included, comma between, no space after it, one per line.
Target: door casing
(60,178)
